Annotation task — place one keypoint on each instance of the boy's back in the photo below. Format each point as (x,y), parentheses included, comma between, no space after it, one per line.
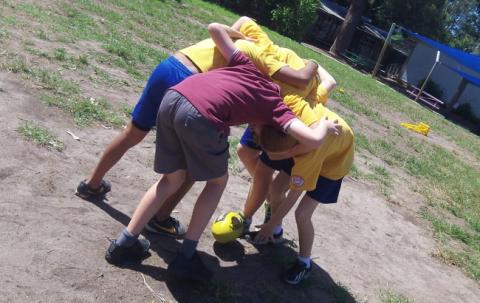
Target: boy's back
(235,95)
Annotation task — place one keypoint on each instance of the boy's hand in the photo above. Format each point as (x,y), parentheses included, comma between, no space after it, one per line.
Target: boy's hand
(265,233)
(332,126)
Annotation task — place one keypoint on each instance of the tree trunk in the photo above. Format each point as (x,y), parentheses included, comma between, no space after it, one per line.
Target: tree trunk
(347,29)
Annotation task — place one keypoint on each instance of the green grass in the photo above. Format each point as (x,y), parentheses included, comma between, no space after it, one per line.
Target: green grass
(233,160)
(41,136)
(389,296)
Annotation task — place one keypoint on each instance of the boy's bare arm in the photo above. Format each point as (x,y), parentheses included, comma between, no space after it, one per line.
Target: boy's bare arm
(238,24)
(313,137)
(298,78)
(220,35)
(266,231)
(326,80)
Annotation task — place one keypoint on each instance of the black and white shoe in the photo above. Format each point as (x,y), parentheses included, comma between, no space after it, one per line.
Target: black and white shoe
(169,227)
(297,272)
(277,238)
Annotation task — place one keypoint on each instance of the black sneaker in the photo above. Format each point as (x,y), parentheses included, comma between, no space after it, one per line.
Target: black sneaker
(189,269)
(170,227)
(268,212)
(277,238)
(297,272)
(119,255)
(86,192)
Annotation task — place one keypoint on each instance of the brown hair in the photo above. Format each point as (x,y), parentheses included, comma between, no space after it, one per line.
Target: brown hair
(273,140)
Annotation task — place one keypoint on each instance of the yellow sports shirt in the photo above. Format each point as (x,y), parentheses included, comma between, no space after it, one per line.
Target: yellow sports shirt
(268,58)
(332,160)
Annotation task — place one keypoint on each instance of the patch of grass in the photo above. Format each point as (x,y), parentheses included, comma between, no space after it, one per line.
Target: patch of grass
(355,172)
(232,161)
(468,260)
(42,35)
(4,34)
(85,111)
(468,257)
(60,54)
(388,296)
(41,136)
(382,177)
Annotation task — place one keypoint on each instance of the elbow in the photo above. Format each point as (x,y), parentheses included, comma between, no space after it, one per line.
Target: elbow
(213,27)
(330,84)
(242,20)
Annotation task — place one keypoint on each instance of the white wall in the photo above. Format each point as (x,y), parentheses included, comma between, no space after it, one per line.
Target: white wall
(420,63)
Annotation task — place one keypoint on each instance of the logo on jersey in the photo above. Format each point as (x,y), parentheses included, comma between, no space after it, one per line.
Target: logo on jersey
(297,181)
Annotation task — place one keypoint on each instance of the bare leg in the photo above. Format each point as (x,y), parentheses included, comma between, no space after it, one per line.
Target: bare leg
(172,201)
(205,206)
(128,138)
(278,188)
(249,157)
(258,189)
(153,200)
(303,216)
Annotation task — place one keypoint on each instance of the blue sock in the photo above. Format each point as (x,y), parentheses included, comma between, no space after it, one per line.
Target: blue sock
(305,260)
(125,238)
(188,248)
(277,230)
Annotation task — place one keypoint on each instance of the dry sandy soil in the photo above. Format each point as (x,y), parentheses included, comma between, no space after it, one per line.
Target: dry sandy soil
(52,243)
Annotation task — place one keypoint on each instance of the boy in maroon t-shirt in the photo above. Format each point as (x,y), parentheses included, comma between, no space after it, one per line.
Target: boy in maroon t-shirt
(192,129)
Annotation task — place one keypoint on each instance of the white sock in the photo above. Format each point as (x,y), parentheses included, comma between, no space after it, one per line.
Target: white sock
(305,260)
(277,229)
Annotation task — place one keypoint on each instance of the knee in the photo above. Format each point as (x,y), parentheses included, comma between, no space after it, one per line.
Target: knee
(133,135)
(302,216)
(176,178)
(220,182)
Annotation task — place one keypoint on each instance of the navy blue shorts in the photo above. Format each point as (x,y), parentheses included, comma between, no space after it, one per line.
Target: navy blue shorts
(168,73)
(247,139)
(325,192)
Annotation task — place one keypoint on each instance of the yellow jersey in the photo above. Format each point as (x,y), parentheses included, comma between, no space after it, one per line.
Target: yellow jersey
(332,160)
(269,58)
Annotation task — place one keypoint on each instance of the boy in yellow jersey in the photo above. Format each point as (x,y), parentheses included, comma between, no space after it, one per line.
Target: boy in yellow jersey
(319,173)
(315,91)
(201,57)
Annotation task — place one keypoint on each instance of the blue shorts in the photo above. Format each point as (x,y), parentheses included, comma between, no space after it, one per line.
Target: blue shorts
(325,192)
(248,141)
(168,73)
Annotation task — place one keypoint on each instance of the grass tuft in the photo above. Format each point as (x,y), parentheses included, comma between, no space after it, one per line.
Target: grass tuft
(41,136)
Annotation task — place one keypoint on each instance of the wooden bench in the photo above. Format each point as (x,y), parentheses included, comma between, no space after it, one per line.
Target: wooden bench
(425,98)
(359,61)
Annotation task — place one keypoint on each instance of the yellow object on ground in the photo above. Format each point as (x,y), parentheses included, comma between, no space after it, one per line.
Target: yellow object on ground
(420,128)
(228,227)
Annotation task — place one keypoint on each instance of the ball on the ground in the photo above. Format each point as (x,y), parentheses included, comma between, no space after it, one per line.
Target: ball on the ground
(228,227)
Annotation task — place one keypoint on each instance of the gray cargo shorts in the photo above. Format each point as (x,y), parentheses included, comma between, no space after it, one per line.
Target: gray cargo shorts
(186,140)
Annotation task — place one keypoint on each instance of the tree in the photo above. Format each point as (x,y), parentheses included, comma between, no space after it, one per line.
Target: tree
(463,24)
(425,17)
(347,29)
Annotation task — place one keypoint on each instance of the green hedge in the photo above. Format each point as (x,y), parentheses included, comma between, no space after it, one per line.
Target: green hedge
(291,18)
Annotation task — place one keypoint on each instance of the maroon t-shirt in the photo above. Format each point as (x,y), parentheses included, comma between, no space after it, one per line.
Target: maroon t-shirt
(235,95)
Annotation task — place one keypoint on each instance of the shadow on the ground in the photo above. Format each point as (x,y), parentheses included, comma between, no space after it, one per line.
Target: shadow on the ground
(255,277)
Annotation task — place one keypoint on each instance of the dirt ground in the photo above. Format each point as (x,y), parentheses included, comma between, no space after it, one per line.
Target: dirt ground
(52,243)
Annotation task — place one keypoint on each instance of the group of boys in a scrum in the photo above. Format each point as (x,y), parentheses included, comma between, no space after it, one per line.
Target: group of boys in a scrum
(239,76)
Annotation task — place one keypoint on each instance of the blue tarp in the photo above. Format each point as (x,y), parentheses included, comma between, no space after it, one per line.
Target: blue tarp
(465,59)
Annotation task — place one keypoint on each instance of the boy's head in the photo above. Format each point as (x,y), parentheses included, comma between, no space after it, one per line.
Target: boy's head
(273,140)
